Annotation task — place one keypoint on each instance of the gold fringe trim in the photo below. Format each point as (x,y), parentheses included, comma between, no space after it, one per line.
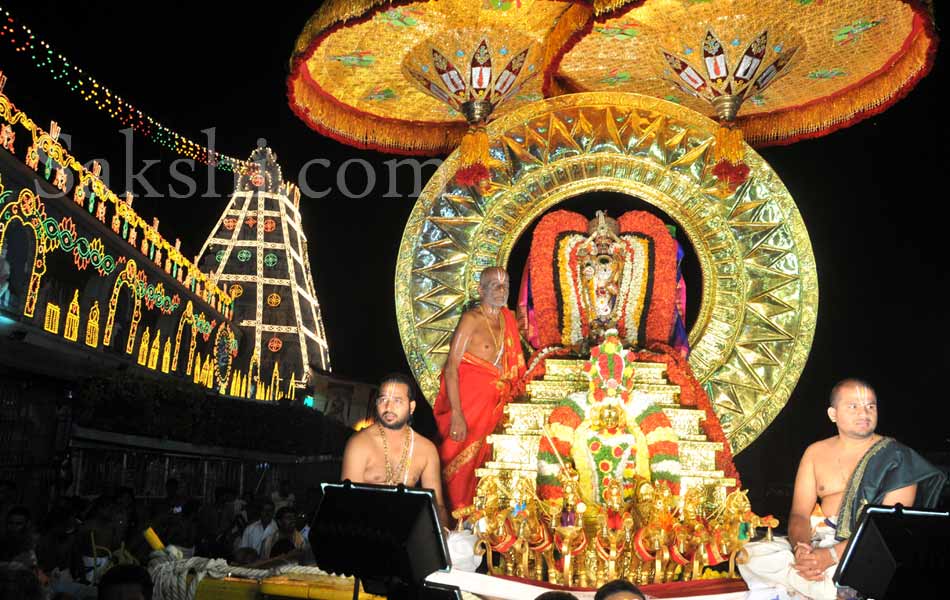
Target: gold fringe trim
(772,128)
(369,131)
(366,130)
(572,20)
(729,145)
(328,15)
(473,149)
(606,6)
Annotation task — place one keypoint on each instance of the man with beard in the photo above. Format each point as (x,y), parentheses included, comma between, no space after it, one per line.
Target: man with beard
(843,473)
(389,452)
(482,373)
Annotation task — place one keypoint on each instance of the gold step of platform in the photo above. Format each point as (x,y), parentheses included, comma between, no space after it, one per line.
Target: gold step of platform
(528,418)
(515,449)
(554,391)
(573,369)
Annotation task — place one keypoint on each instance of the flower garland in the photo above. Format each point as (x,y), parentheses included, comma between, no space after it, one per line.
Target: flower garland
(692,394)
(661,302)
(731,175)
(610,450)
(576,317)
(552,266)
(633,309)
(543,271)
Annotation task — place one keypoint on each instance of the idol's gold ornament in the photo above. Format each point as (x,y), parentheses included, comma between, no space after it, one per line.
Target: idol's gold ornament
(735,525)
(490,518)
(615,526)
(569,535)
(533,543)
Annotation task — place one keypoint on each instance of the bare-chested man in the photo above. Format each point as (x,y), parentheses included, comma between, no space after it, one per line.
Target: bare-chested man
(481,374)
(842,473)
(389,452)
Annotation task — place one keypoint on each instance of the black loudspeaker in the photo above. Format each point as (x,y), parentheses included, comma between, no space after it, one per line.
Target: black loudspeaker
(897,552)
(388,537)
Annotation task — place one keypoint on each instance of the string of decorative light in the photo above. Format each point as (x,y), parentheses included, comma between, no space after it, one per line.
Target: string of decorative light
(76,80)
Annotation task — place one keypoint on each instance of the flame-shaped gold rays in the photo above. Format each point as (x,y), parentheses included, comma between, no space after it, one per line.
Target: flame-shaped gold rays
(760,293)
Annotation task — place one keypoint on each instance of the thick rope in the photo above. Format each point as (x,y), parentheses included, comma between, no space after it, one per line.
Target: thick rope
(175,578)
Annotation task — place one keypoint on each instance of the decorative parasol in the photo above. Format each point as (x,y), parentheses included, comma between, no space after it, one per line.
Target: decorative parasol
(403,76)
(791,69)
(780,70)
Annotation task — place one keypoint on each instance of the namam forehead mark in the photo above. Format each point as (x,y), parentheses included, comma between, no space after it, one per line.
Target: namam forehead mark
(861,392)
(492,273)
(390,389)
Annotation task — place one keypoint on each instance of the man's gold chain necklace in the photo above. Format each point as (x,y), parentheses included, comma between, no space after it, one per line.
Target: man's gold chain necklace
(402,467)
(494,339)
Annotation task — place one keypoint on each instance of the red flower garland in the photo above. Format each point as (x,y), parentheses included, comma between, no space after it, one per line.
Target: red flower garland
(692,394)
(474,175)
(542,261)
(662,302)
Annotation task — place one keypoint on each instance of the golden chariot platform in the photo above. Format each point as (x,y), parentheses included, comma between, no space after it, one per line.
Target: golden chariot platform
(515,451)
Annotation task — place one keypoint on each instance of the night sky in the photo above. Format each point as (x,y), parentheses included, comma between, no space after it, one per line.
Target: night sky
(874,198)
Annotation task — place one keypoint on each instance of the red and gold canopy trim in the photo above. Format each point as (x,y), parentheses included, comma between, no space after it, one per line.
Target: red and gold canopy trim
(391,130)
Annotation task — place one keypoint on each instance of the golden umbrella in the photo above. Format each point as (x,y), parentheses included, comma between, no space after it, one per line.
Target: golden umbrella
(402,76)
(821,64)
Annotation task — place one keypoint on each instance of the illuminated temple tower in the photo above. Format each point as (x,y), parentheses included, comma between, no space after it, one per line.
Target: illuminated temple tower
(258,251)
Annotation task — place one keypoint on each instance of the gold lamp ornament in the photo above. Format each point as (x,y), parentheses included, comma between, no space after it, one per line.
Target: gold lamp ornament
(476,87)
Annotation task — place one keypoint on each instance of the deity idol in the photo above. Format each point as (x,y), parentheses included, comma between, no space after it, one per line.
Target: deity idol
(621,275)
(611,291)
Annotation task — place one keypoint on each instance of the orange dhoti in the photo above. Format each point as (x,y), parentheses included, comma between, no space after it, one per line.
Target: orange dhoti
(484,389)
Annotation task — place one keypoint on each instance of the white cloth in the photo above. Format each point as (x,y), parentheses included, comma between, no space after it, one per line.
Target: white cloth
(770,564)
(255,534)
(462,550)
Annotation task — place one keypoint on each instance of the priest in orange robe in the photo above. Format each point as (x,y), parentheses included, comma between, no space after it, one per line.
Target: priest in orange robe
(483,372)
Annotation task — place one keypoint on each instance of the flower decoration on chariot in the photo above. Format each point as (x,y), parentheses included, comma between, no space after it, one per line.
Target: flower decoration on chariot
(611,377)
(476,87)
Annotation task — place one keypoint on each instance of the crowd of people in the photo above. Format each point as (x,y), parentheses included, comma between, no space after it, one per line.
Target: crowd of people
(79,546)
